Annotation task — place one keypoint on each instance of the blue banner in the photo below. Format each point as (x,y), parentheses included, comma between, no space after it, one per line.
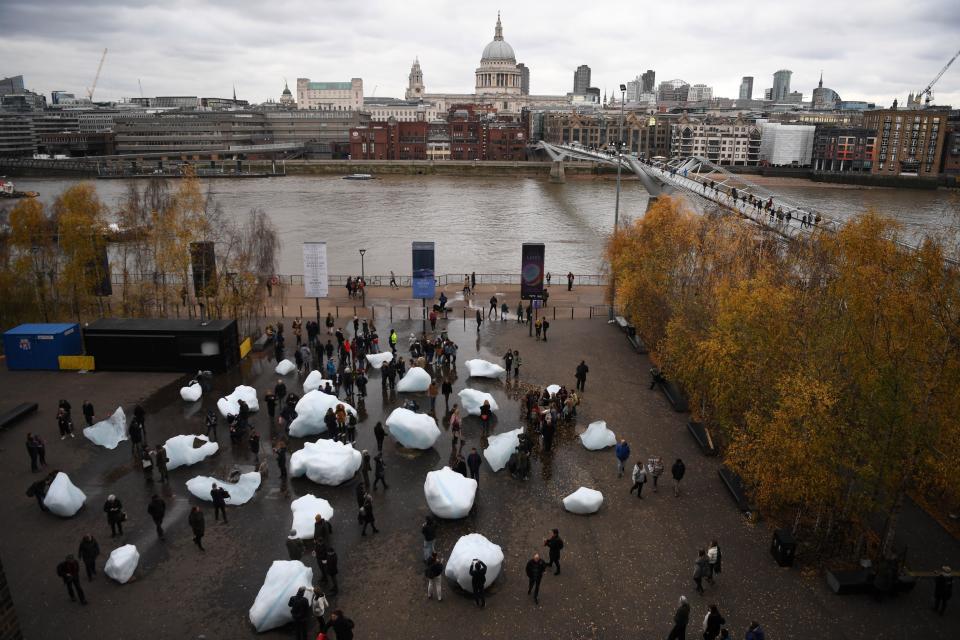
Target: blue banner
(424,284)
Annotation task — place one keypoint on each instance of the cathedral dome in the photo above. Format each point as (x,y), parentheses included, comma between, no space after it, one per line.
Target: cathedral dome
(499,49)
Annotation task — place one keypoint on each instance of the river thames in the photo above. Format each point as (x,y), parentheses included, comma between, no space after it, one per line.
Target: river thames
(480,223)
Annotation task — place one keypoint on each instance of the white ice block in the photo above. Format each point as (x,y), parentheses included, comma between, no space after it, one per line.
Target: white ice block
(230,405)
(377,360)
(191,392)
(110,432)
(472,546)
(583,501)
(553,389)
(314,381)
(484,369)
(240,491)
(122,563)
(325,462)
(416,379)
(180,451)
(284,578)
(471,400)
(63,497)
(311,409)
(413,430)
(500,447)
(285,367)
(305,510)
(449,495)
(597,436)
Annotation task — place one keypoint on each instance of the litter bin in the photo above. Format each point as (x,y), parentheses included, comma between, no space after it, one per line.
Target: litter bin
(783,547)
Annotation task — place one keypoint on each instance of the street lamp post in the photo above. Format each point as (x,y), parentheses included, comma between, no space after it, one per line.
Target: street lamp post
(616,210)
(363,278)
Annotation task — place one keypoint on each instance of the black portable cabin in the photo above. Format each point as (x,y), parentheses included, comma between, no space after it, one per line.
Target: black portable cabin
(162,345)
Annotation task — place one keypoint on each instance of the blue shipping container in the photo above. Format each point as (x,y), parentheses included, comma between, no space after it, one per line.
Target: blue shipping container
(39,346)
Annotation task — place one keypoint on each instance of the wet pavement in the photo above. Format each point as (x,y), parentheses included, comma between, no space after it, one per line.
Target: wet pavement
(623,568)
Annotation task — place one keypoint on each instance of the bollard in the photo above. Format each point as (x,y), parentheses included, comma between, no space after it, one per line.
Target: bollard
(571,313)
(391,314)
(409,317)
(373,313)
(301,311)
(464,318)
(554,313)
(281,312)
(338,312)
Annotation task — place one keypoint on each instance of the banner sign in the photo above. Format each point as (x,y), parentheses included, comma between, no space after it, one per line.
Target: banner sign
(531,272)
(315,270)
(424,285)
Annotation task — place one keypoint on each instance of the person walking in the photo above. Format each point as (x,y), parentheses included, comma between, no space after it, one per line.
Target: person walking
(622,452)
(433,572)
(478,581)
(69,572)
(942,589)
(219,496)
(455,425)
(681,618)
(639,477)
(516,364)
(366,515)
(34,452)
(700,569)
(64,423)
(136,437)
(429,532)
(294,545)
(581,375)
(520,312)
(714,558)
(211,424)
(535,568)
(479,322)
(157,509)
(555,545)
(198,526)
(570,278)
(712,623)
(114,510)
(300,610)
(331,567)
(280,451)
(380,434)
(432,392)
(504,310)
(446,389)
(677,471)
(254,442)
(655,469)
(379,471)
(88,414)
(160,455)
(342,626)
(546,325)
(473,464)
(88,552)
(755,632)
(365,468)
(318,606)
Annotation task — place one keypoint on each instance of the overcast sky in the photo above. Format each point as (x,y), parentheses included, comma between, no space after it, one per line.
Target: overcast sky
(874,50)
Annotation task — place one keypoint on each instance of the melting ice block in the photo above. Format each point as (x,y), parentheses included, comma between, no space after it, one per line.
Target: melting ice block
(108,433)
(377,360)
(240,491)
(63,497)
(325,462)
(311,409)
(583,501)
(122,563)
(191,392)
(483,369)
(500,447)
(315,380)
(230,405)
(181,453)
(472,546)
(285,367)
(449,495)
(553,389)
(413,430)
(416,379)
(597,436)
(471,400)
(270,609)
(305,510)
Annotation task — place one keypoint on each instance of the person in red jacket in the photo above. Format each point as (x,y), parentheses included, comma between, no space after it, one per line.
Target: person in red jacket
(69,571)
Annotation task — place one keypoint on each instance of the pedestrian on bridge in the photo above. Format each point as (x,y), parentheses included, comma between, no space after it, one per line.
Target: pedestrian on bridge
(570,278)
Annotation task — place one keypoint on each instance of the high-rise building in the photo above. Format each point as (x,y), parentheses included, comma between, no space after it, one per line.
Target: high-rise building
(768,94)
(649,81)
(524,79)
(673,91)
(581,80)
(13,84)
(781,84)
(746,88)
(700,93)
(634,89)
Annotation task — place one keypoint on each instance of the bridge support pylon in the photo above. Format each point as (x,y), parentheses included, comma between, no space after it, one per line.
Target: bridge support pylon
(557,175)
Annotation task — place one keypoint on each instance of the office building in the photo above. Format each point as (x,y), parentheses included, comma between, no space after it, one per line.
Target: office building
(524,79)
(746,88)
(786,145)
(781,85)
(330,96)
(382,109)
(581,80)
(673,91)
(843,149)
(17,137)
(13,84)
(909,141)
(649,81)
(699,93)
(647,136)
(722,141)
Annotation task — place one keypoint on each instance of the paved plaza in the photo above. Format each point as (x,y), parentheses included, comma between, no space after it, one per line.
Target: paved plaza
(623,568)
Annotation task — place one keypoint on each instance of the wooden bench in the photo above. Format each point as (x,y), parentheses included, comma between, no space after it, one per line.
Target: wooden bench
(631,332)
(846,582)
(10,416)
(678,400)
(702,436)
(734,485)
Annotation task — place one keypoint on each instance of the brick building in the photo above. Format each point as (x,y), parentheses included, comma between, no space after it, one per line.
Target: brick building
(646,135)
(844,149)
(909,141)
(950,163)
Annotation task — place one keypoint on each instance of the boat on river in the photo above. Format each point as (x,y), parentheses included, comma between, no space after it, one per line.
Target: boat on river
(358,176)
(8,190)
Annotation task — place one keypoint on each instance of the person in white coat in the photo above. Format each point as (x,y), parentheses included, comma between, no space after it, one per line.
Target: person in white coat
(639,477)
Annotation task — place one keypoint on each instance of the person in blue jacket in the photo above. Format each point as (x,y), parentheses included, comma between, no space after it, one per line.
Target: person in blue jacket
(622,452)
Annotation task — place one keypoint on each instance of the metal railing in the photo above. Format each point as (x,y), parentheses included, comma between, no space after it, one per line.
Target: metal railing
(375,280)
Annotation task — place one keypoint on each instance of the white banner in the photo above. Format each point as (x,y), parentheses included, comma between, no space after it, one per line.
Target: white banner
(315,270)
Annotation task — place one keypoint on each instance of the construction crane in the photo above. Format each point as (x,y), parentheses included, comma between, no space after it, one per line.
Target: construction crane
(96,77)
(928,91)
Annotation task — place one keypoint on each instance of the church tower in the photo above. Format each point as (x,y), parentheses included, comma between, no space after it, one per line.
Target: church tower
(415,88)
